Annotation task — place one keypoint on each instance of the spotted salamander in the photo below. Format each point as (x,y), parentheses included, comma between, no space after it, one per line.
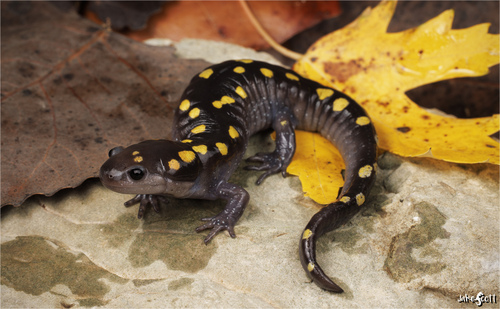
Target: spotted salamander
(218,112)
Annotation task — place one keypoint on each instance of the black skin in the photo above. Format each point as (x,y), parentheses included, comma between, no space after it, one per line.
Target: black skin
(220,109)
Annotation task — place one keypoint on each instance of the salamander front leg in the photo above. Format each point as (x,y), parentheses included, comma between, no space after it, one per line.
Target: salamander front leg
(144,201)
(278,160)
(237,199)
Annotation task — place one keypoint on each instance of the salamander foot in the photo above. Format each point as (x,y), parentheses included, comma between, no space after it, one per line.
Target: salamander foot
(145,200)
(218,223)
(270,162)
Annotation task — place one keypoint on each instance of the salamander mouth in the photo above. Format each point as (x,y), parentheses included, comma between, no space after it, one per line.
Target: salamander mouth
(120,187)
(134,188)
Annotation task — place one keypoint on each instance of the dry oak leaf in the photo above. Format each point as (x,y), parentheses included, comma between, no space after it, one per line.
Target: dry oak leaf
(226,20)
(376,68)
(71,91)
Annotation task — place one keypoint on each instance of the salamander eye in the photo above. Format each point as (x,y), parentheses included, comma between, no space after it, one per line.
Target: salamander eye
(115,151)
(136,174)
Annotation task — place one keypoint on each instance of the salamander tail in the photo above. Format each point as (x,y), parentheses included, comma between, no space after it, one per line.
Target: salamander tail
(327,219)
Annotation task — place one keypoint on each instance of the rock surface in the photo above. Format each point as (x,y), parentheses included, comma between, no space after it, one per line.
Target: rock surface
(429,234)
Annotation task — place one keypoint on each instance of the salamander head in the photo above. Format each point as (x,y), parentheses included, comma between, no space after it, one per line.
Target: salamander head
(151,167)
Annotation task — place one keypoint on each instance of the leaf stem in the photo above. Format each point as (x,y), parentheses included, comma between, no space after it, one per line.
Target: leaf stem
(279,48)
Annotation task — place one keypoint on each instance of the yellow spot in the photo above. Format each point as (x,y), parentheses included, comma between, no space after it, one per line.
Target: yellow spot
(360,199)
(363,120)
(246,60)
(222,148)
(239,70)
(365,171)
(324,93)
(186,140)
(227,100)
(138,159)
(310,267)
(233,133)
(291,76)
(241,92)
(135,153)
(184,105)
(340,104)
(198,129)
(217,104)
(187,156)
(284,122)
(307,234)
(206,74)
(345,199)
(224,100)
(200,149)
(267,72)
(195,112)
(174,164)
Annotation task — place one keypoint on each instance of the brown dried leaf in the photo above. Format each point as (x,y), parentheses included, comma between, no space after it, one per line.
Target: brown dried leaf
(226,20)
(71,91)
(125,15)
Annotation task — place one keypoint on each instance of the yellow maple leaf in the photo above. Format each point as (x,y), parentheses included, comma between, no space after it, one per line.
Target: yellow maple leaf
(319,167)
(376,68)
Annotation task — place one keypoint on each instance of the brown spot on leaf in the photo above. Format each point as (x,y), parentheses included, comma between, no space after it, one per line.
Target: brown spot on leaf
(403,129)
(350,89)
(68,76)
(384,104)
(342,71)
(57,81)
(26,69)
(222,31)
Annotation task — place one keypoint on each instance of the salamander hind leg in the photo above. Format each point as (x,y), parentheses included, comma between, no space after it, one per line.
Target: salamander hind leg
(278,160)
(237,199)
